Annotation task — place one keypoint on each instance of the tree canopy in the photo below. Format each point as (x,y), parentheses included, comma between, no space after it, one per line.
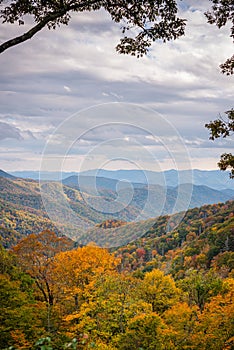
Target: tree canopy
(152,19)
(221,13)
(142,22)
(222,127)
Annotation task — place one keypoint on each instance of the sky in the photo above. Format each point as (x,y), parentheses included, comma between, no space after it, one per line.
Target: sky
(70,102)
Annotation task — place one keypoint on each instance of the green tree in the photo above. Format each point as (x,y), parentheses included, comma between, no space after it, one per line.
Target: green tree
(144,332)
(20,313)
(222,127)
(201,286)
(222,12)
(7,263)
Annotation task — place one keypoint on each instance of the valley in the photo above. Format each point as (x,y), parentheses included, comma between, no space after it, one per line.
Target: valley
(76,206)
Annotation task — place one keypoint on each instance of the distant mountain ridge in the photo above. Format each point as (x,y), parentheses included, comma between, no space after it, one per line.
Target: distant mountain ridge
(212,178)
(90,197)
(86,182)
(23,212)
(6,175)
(176,198)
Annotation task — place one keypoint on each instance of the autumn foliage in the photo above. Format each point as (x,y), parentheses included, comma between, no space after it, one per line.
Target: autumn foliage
(168,290)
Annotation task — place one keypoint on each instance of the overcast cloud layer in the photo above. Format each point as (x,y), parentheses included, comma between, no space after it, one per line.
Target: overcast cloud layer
(59,73)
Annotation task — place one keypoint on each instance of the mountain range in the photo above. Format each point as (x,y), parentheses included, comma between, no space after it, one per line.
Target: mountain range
(75,207)
(215,179)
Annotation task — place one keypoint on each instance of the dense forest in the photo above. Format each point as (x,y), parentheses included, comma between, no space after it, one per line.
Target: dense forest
(22,211)
(170,289)
(157,274)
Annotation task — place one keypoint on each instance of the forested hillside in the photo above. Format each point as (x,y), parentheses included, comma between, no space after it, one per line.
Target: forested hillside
(117,236)
(171,289)
(205,237)
(23,212)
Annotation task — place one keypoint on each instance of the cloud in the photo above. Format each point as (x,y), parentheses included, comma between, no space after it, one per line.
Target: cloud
(66,88)
(59,73)
(9,132)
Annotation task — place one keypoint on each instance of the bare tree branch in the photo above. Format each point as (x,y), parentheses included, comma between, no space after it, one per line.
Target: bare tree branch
(29,34)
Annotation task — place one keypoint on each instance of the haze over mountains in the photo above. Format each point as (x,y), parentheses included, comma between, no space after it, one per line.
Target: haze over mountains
(79,204)
(212,178)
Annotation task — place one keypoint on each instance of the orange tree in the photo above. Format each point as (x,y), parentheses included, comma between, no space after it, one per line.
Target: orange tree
(76,269)
(35,254)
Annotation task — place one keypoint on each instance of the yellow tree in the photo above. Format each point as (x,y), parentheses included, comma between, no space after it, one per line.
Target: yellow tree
(159,290)
(181,318)
(113,301)
(215,329)
(74,270)
(145,331)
